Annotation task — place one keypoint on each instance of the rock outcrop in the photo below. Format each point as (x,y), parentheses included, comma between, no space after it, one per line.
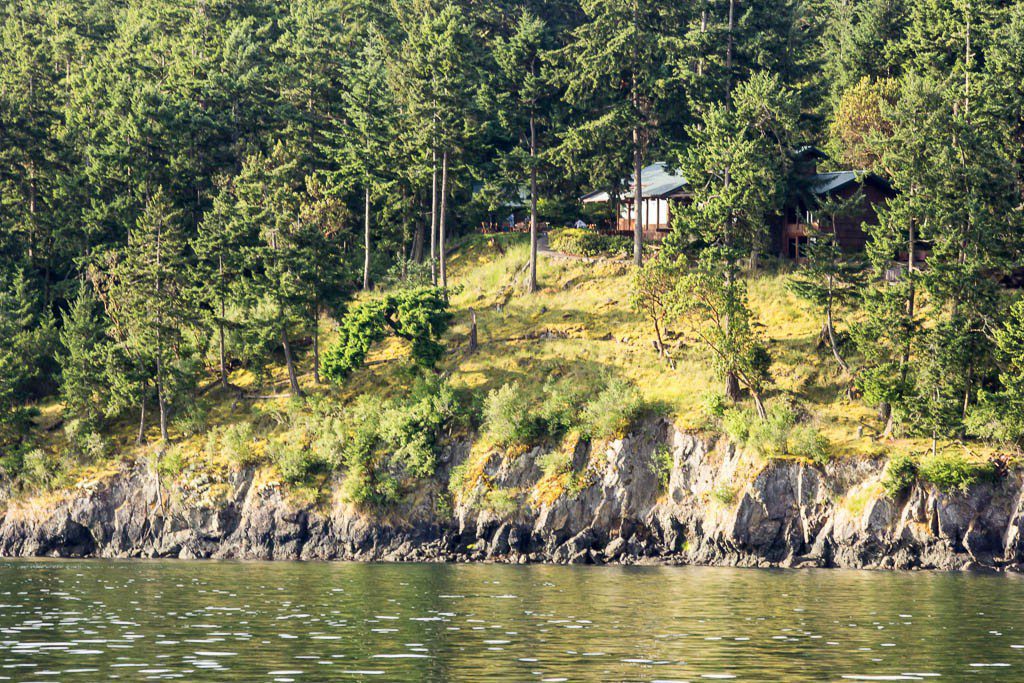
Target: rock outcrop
(717,507)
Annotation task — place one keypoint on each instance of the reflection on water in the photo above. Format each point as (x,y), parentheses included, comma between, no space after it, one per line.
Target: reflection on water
(93,621)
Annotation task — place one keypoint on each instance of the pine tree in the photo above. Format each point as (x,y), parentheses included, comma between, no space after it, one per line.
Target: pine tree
(618,71)
(146,303)
(82,359)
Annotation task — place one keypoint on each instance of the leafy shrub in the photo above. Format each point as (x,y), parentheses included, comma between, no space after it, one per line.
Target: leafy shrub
(662,462)
(296,463)
(612,411)
(560,407)
(776,436)
(900,475)
(715,404)
(367,481)
(194,420)
(39,467)
(953,472)
(555,462)
(413,431)
(770,438)
(502,502)
(724,493)
(581,242)
(806,441)
(508,416)
(238,444)
(172,463)
(736,423)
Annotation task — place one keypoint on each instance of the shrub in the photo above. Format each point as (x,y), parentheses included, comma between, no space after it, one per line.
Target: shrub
(776,436)
(580,242)
(194,420)
(724,493)
(900,475)
(556,462)
(39,467)
(612,411)
(770,438)
(172,463)
(662,462)
(715,404)
(296,463)
(953,472)
(238,444)
(559,410)
(413,431)
(502,502)
(736,423)
(806,441)
(508,418)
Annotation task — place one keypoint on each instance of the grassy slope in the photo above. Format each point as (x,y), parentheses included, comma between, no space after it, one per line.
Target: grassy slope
(580,324)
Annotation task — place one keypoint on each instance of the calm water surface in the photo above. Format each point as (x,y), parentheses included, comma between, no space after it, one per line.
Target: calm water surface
(94,621)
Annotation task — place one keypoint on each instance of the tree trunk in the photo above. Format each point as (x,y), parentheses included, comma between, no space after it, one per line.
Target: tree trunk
(443,221)
(759,405)
(366,237)
(293,379)
(732,386)
(417,242)
(638,195)
(316,340)
(473,343)
(220,328)
(728,53)
(433,221)
(141,438)
(531,285)
(830,330)
(162,404)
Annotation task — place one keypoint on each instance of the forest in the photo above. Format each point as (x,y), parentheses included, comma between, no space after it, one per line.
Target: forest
(193,191)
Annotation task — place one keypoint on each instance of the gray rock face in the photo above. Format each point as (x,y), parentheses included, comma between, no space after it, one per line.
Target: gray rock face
(719,507)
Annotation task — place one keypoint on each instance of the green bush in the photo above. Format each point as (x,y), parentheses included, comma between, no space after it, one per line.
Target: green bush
(900,475)
(39,468)
(238,444)
(612,411)
(662,462)
(508,417)
(560,407)
(501,502)
(953,472)
(806,441)
(194,420)
(555,462)
(413,431)
(724,493)
(296,463)
(581,242)
(776,436)
(770,438)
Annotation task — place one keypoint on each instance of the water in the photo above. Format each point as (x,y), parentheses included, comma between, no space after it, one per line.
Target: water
(135,621)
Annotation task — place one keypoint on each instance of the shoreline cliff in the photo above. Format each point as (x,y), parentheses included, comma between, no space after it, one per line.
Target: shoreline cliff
(782,513)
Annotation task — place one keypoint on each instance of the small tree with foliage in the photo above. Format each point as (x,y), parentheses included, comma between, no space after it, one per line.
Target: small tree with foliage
(713,304)
(419,316)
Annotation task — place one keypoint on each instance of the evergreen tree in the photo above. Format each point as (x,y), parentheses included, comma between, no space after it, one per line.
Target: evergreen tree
(82,359)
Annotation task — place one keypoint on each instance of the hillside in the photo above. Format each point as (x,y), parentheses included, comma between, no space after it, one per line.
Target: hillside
(579,329)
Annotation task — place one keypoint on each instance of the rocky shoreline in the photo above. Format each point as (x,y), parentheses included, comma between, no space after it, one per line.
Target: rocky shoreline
(718,508)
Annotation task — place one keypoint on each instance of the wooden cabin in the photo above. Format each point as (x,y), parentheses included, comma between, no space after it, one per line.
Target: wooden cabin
(661,189)
(790,232)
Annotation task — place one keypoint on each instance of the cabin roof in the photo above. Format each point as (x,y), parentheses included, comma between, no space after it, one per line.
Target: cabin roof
(657,181)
